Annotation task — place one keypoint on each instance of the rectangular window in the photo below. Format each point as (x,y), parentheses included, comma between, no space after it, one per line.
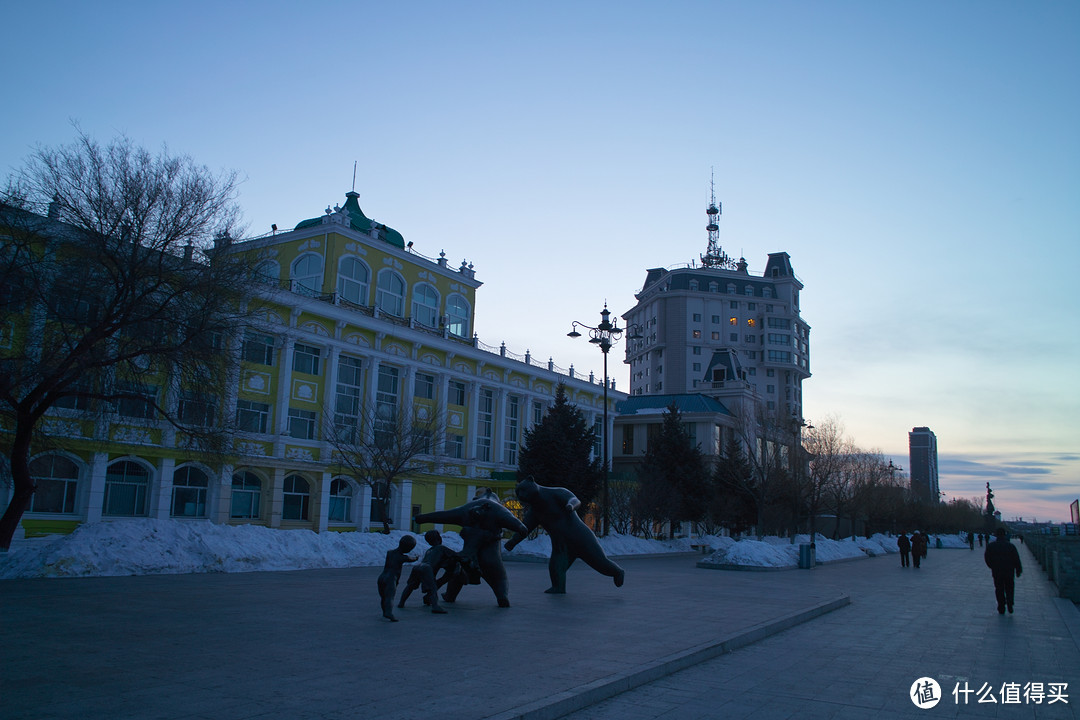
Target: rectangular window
(715,336)
(485,425)
(733,337)
(140,404)
(302,424)
(697,317)
(347,400)
(457,393)
(697,351)
(751,338)
(779,339)
(598,428)
(196,409)
(697,333)
(538,412)
(455,445)
(258,348)
(305,359)
(779,323)
(424,386)
(716,319)
(734,305)
(779,356)
(627,439)
(733,320)
(513,421)
(252,416)
(697,367)
(386,406)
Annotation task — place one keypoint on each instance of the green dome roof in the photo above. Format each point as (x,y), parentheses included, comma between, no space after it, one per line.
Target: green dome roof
(360,222)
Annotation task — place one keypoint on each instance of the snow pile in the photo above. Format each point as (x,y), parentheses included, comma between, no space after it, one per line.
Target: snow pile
(163,546)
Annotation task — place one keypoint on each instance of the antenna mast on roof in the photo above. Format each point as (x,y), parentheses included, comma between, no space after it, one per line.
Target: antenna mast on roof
(714,257)
(354,176)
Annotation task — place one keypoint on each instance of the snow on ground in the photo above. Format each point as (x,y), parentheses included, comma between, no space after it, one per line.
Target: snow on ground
(157,546)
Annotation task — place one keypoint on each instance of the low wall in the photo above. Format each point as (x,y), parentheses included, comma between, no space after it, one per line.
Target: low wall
(1059,556)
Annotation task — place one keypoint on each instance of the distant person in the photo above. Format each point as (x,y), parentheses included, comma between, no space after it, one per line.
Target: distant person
(438,557)
(1003,560)
(918,548)
(980,539)
(971,540)
(904,544)
(391,573)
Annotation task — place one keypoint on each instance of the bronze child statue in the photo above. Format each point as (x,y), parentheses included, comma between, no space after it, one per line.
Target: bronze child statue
(391,573)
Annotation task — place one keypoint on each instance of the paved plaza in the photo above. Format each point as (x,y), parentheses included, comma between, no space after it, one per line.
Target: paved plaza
(841,641)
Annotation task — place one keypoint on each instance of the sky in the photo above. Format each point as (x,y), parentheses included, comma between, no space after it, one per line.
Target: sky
(154,546)
(919,162)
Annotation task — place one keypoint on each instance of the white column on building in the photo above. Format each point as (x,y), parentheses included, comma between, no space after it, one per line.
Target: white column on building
(370,400)
(323,521)
(498,453)
(281,411)
(473,411)
(165,485)
(333,357)
(365,507)
(277,496)
(401,516)
(95,499)
(223,504)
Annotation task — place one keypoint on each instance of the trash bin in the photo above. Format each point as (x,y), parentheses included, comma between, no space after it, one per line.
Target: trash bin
(807,556)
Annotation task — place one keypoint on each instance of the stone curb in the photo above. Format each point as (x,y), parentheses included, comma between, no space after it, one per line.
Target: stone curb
(578,698)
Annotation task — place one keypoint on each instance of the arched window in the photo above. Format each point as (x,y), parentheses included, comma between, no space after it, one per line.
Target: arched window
(390,293)
(189,492)
(295,502)
(340,501)
(268,272)
(246,491)
(352,281)
(425,305)
(457,312)
(57,480)
(307,274)
(127,484)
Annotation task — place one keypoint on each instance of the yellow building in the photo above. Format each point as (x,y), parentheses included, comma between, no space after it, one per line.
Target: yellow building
(358,327)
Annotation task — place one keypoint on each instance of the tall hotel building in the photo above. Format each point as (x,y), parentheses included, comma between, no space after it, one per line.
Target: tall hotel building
(922,459)
(712,338)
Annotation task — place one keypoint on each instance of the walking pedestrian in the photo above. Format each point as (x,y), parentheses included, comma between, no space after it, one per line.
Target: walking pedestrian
(904,544)
(1004,563)
(918,547)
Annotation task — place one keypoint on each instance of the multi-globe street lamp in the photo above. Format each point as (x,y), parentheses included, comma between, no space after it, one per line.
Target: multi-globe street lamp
(604,335)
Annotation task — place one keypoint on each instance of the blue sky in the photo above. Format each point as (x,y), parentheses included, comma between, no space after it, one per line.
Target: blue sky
(919,161)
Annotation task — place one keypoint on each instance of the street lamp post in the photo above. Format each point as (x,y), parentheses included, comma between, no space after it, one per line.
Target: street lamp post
(604,335)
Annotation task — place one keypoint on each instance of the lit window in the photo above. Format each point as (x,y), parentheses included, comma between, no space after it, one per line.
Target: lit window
(751,322)
(733,321)
(697,333)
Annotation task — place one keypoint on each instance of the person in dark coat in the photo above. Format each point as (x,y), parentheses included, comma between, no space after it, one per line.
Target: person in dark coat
(918,547)
(1003,560)
(904,544)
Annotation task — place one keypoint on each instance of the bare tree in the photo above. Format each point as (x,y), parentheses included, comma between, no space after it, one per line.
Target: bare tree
(119,298)
(379,445)
(770,440)
(826,448)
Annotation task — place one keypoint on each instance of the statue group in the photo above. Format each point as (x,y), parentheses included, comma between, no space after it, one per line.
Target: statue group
(483,521)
